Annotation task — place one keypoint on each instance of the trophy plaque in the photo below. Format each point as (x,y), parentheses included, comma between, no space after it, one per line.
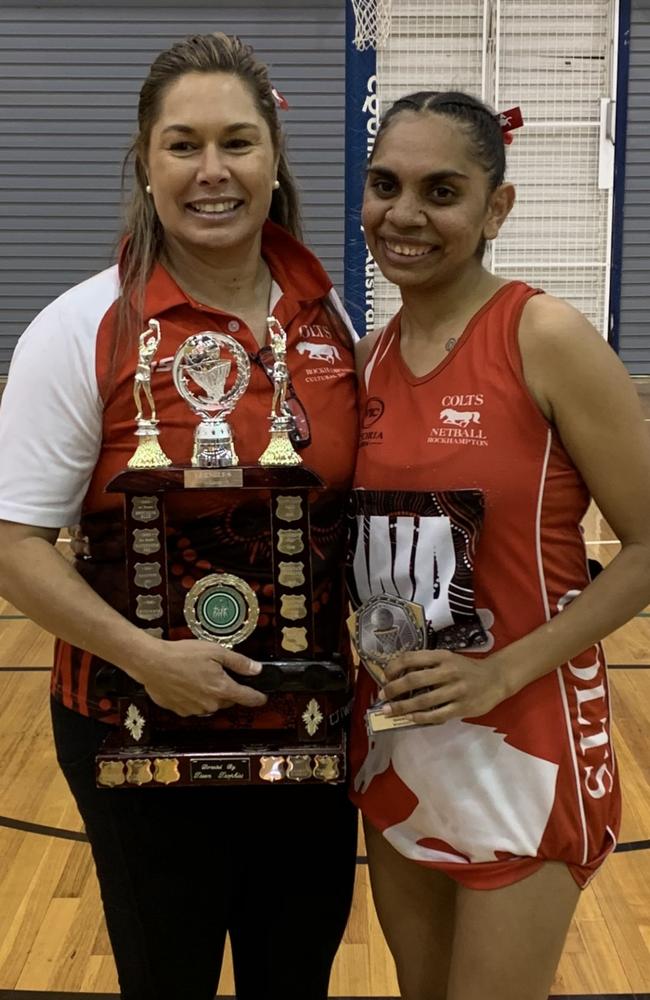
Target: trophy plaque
(298,737)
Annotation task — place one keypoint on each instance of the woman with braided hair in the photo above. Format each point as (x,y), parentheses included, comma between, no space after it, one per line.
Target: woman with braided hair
(494,412)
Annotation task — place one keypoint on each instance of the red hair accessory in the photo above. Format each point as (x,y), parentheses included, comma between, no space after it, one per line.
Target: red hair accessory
(280,99)
(509,120)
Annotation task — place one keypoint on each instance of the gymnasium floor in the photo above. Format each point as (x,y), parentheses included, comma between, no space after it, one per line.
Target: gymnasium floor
(53,942)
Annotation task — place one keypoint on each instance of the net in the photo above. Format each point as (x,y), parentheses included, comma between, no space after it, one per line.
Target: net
(432,45)
(554,60)
(372,23)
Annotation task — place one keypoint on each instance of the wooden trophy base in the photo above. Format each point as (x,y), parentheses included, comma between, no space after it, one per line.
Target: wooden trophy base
(266,761)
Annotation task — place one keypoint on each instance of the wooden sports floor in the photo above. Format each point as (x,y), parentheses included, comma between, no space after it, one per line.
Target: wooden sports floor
(53,942)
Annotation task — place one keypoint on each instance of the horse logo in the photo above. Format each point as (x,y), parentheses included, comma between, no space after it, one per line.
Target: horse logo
(460,418)
(319,352)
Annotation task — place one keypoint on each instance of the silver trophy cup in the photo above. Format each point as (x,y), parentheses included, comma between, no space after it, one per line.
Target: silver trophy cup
(201,369)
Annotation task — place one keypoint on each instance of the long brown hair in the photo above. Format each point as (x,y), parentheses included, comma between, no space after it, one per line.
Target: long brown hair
(143,236)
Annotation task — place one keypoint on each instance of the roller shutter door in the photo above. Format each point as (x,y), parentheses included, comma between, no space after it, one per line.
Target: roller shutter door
(71,73)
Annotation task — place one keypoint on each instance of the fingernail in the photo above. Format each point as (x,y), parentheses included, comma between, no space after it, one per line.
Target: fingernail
(386,710)
(382,696)
(254,667)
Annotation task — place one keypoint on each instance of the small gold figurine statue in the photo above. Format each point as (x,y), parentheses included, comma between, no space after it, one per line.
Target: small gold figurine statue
(280,450)
(148,454)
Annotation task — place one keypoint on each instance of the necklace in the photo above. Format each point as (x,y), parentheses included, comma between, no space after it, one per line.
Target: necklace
(451,343)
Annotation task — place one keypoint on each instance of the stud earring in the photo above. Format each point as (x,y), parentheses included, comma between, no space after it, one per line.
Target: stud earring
(148,189)
(276,185)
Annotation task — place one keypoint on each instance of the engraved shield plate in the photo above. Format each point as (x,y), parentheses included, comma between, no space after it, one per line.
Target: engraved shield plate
(299,767)
(294,639)
(145,509)
(149,607)
(146,541)
(147,575)
(138,772)
(222,608)
(289,508)
(290,541)
(272,768)
(326,767)
(292,574)
(111,773)
(292,607)
(165,770)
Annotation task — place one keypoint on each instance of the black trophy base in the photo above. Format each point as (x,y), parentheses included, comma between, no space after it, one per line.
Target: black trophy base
(193,761)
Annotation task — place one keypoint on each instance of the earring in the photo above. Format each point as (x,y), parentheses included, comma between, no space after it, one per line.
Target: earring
(148,189)
(276,185)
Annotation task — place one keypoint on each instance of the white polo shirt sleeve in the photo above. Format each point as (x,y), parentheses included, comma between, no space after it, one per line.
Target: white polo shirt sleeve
(51,410)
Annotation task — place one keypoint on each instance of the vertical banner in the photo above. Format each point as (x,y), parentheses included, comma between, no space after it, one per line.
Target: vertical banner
(361,123)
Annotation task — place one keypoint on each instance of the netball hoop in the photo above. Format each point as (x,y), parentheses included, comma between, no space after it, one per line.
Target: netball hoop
(372,23)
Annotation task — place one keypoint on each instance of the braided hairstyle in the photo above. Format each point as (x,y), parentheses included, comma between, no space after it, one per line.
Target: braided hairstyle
(479,122)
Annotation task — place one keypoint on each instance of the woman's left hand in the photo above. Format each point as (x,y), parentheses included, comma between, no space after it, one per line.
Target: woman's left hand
(432,686)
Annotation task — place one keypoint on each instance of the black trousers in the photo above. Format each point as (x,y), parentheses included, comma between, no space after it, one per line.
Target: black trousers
(180,867)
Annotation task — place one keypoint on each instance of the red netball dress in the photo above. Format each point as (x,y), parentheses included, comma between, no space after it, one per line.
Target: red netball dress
(467,503)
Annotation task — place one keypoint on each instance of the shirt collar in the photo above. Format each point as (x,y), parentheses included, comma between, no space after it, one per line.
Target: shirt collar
(298,273)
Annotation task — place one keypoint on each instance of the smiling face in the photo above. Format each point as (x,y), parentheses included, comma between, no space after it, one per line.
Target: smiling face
(211,165)
(427,201)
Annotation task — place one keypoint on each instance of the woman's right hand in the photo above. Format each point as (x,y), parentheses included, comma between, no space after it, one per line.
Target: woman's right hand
(188,677)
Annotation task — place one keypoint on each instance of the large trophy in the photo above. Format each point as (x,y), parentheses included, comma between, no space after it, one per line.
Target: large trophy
(299,736)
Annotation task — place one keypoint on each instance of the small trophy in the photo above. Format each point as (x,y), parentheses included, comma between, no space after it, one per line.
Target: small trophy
(148,454)
(382,627)
(280,450)
(199,361)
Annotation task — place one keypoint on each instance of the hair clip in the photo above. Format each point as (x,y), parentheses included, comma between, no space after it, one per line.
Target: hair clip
(509,120)
(280,99)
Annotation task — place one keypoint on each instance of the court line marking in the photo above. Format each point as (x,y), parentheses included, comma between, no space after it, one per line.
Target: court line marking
(632,845)
(21,670)
(362,859)
(46,831)
(611,666)
(57,995)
